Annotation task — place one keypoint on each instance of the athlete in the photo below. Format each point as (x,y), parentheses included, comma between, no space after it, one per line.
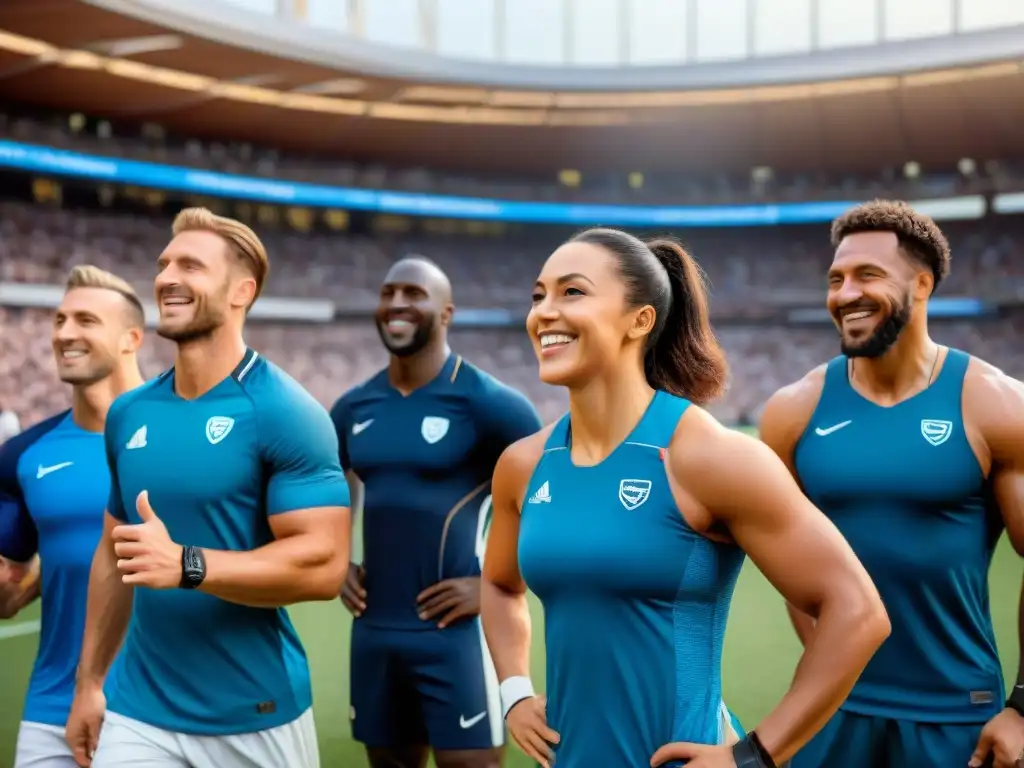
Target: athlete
(916,452)
(226,503)
(421,438)
(629,519)
(56,480)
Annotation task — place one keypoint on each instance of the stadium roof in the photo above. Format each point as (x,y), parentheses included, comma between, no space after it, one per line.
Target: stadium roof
(75,56)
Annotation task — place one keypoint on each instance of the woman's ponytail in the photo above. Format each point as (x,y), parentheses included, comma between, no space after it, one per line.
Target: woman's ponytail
(686,358)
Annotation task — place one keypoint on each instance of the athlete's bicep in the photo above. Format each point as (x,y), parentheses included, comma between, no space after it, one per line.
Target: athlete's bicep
(1001,411)
(501,562)
(319,523)
(746,486)
(300,450)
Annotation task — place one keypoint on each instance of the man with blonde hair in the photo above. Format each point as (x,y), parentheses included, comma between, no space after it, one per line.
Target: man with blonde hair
(227,503)
(55,473)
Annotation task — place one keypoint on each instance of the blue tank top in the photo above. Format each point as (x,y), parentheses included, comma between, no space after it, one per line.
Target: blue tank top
(904,487)
(635,601)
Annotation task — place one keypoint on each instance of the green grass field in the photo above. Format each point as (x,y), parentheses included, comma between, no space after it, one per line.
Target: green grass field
(760,655)
(761,652)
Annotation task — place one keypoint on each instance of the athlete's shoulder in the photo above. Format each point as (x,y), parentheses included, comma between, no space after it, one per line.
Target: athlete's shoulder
(368,388)
(788,411)
(994,402)
(12,450)
(518,461)
(278,399)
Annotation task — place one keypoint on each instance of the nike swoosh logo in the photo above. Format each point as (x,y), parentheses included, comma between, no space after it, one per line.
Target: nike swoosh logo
(833,428)
(464,723)
(44,471)
(357,428)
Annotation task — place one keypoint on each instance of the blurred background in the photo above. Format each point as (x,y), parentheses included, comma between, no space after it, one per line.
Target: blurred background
(481,133)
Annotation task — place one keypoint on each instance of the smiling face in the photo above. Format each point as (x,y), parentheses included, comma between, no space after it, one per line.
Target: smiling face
(580,320)
(415,305)
(91,330)
(873,288)
(198,285)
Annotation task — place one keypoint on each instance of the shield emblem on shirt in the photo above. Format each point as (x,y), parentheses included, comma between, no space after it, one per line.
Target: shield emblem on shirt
(217,428)
(936,432)
(433,428)
(633,493)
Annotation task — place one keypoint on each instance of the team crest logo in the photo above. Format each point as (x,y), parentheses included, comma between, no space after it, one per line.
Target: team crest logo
(633,493)
(217,428)
(433,428)
(936,432)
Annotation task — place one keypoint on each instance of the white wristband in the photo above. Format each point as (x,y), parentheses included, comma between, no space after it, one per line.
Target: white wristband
(513,690)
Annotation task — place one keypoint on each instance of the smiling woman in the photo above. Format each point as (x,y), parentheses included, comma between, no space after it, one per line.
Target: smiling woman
(629,519)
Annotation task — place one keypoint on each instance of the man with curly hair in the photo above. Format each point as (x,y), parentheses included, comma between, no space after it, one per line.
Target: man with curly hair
(916,453)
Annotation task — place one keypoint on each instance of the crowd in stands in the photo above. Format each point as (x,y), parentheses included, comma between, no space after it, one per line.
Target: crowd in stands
(745,266)
(150,143)
(38,244)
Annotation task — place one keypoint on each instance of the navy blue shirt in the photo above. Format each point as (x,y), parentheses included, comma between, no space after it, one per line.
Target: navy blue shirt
(216,469)
(425,461)
(55,481)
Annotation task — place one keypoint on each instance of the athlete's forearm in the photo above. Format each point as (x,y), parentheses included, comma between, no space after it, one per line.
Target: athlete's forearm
(296,569)
(844,639)
(108,609)
(506,620)
(802,623)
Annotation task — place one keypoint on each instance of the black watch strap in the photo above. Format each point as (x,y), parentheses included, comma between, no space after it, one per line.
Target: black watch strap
(193,567)
(1016,700)
(750,753)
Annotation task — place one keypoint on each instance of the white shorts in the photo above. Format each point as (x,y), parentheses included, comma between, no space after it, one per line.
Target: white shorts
(42,746)
(127,743)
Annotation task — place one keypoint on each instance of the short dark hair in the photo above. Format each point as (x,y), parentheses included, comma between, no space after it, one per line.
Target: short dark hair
(919,236)
(683,356)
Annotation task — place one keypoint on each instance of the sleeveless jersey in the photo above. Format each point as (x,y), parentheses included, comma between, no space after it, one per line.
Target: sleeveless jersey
(635,601)
(904,487)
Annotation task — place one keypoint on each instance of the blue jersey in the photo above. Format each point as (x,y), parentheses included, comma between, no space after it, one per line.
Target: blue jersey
(635,601)
(216,469)
(904,487)
(56,476)
(425,461)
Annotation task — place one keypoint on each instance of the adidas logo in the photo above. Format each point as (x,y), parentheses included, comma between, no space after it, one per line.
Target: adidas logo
(542,496)
(138,439)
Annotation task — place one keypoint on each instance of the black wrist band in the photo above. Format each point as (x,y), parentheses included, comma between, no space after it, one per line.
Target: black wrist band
(750,753)
(193,567)
(1016,700)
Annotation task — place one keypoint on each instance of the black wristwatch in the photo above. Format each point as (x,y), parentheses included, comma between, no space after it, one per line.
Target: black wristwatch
(1016,700)
(193,567)
(750,753)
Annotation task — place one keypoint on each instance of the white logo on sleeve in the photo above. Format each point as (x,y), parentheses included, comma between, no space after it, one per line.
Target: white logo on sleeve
(936,432)
(633,493)
(357,428)
(466,724)
(434,428)
(138,439)
(218,427)
(542,495)
(834,428)
(44,471)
